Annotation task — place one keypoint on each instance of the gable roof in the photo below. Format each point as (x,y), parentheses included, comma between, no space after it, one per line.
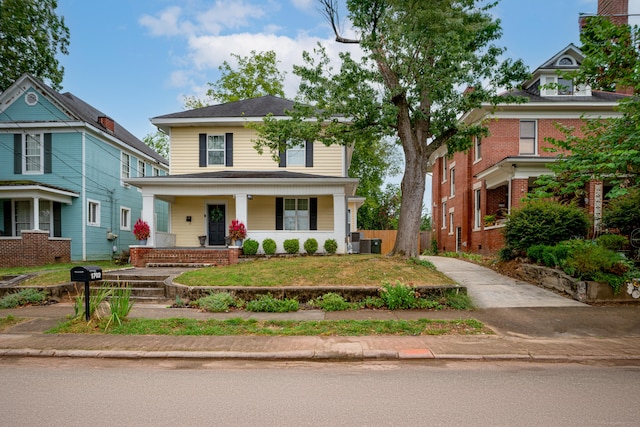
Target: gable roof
(82,111)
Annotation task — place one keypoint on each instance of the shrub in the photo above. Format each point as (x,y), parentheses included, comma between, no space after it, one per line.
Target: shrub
(371,302)
(23,297)
(543,222)
(332,301)
(398,296)
(250,247)
(622,213)
(269,246)
(586,260)
(613,242)
(330,246)
(218,302)
(269,304)
(311,246)
(292,246)
(551,256)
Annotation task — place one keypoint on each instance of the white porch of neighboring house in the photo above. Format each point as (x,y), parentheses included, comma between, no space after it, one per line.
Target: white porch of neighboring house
(32,206)
(251,198)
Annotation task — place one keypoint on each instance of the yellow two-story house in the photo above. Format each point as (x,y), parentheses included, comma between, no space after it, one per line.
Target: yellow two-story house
(216,176)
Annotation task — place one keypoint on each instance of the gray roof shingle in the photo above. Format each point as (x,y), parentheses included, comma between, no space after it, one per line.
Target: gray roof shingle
(255,107)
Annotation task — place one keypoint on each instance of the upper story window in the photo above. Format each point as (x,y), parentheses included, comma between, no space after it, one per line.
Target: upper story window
(296,155)
(565,87)
(566,61)
(477,148)
(33,150)
(125,171)
(443,168)
(156,171)
(477,208)
(452,182)
(141,169)
(528,137)
(215,149)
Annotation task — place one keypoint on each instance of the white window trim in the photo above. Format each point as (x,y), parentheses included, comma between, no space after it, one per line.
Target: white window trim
(142,168)
(96,223)
(224,149)
(126,227)
(535,138)
(124,156)
(477,209)
(444,169)
(452,183)
(476,157)
(443,213)
(40,171)
(451,218)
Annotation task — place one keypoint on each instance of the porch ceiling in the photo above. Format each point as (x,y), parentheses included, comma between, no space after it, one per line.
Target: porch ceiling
(514,168)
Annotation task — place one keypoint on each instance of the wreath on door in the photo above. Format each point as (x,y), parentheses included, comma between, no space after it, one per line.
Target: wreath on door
(217,215)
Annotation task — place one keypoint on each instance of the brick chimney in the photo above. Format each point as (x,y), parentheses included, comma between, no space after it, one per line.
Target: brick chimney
(618,10)
(107,123)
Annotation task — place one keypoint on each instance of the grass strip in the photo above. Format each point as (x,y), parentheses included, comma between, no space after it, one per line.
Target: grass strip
(9,321)
(237,326)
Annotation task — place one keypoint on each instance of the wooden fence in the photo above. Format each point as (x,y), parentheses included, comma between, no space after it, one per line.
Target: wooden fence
(388,238)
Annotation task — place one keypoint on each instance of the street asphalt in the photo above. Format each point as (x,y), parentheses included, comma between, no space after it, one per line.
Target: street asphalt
(528,324)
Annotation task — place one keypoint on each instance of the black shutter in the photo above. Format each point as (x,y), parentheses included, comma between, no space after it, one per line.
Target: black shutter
(57,219)
(308,154)
(17,154)
(313,213)
(283,159)
(279,213)
(47,153)
(228,142)
(203,149)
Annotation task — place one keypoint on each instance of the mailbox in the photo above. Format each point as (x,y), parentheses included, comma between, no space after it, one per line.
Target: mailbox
(87,273)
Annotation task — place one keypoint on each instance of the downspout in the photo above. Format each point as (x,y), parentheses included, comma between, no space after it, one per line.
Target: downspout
(83,221)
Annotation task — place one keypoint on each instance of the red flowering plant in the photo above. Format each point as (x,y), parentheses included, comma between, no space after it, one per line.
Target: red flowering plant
(237,230)
(141,230)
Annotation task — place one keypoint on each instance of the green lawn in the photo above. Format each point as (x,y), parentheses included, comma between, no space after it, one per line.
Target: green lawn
(52,274)
(342,270)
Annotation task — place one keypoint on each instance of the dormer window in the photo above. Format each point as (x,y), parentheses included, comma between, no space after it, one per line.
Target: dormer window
(565,87)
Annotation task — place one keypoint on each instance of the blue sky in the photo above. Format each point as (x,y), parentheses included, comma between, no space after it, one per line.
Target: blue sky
(136,59)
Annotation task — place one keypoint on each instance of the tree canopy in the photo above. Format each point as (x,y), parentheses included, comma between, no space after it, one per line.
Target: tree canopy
(424,64)
(31,35)
(254,76)
(607,149)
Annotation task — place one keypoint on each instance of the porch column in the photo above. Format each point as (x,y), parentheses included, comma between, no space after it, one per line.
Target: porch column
(340,221)
(149,215)
(241,208)
(36,213)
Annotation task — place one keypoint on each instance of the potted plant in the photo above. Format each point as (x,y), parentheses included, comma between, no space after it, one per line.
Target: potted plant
(202,240)
(237,231)
(141,231)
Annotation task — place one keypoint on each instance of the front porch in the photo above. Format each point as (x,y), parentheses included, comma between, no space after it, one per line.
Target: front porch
(146,256)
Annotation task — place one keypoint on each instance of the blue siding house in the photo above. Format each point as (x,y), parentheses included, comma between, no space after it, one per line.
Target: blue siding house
(63,166)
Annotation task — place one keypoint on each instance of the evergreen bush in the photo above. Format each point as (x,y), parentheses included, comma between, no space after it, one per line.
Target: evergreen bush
(250,247)
(330,246)
(311,246)
(292,246)
(269,246)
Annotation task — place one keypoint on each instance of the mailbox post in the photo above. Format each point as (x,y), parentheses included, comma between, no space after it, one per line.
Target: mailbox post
(86,274)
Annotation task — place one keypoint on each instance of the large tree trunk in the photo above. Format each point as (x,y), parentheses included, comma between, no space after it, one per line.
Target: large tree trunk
(413,186)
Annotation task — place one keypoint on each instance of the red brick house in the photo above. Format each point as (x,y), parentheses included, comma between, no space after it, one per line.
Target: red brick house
(473,192)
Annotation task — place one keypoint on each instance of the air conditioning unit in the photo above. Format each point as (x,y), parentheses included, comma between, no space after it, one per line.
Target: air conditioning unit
(365,246)
(355,242)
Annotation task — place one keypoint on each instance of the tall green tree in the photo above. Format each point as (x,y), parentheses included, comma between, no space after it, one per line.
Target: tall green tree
(606,149)
(419,57)
(31,35)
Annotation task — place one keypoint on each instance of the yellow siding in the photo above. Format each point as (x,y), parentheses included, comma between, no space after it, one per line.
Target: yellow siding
(325,213)
(261,213)
(185,153)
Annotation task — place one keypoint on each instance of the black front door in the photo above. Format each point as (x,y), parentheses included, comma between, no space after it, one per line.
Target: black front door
(216,225)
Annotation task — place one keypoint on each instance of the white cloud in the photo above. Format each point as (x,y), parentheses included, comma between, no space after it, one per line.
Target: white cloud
(165,24)
(304,4)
